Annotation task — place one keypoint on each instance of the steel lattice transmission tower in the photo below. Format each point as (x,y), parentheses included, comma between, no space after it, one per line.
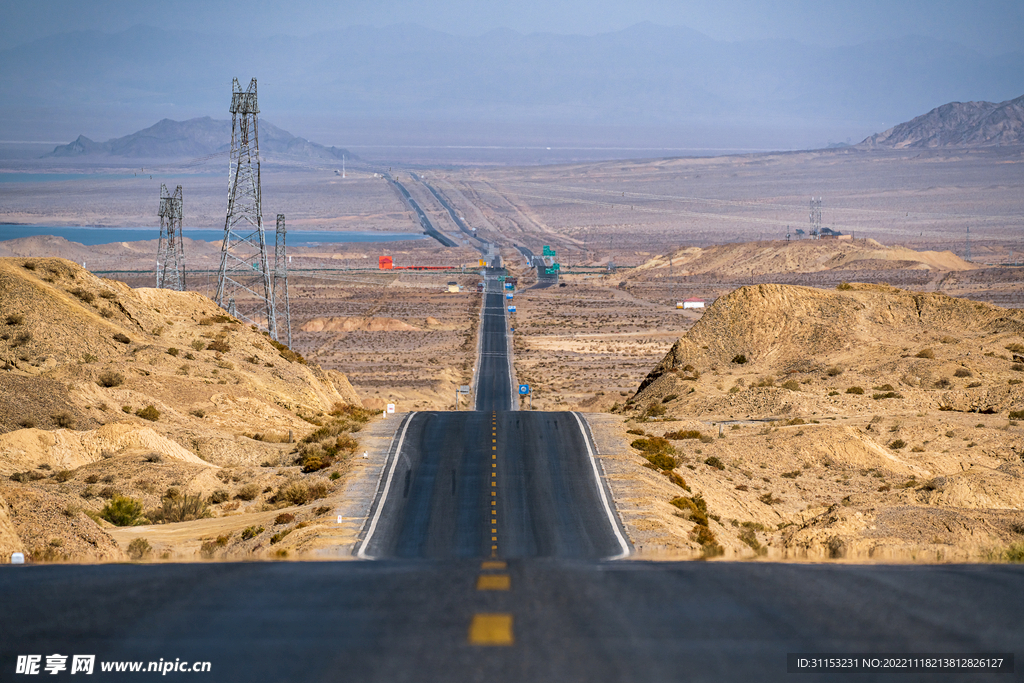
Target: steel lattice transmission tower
(243,281)
(282,301)
(815,218)
(170,252)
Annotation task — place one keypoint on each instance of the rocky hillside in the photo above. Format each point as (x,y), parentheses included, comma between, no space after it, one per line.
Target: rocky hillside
(868,422)
(745,259)
(107,391)
(957,124)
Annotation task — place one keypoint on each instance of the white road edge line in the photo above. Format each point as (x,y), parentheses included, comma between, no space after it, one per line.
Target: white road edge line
(604,496)
(361,553)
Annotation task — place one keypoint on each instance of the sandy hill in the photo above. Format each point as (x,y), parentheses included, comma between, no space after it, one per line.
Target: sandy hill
(868,422)
(957,124)
(141,389)
(798,256)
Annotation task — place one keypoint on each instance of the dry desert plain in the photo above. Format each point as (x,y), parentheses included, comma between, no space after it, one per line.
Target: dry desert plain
(802,469)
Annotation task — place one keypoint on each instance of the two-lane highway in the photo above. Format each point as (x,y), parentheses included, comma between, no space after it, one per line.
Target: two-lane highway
(491,534)
(493,482)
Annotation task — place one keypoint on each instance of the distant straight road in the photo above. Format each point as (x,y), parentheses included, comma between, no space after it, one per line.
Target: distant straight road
(491,535)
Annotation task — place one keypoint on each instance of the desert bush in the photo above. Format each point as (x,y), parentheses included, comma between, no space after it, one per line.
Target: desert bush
(739,359)
(638,432)
(653,445)
(288,354)
(791,475)
(248,492)
(218,345)
(1015,347)
(63,475)
(682,434)
(139,548)
(888,394)
(1017,367)
(148,413)
(64,420)
(695,507)
(1014,553)
(791,385)
(654,410)
(108,295)
(843,286)
(284,518)
(670,398)
(885,387)
(298,493)
(834,371)
(209,548)
(110,379)
(1016,415)
(765,382)
(749,537)
(15,319)
(279,536)
(926,353)
(22,338)
(177,507)
(173,352)
(251,532)
(677,480)
(198,344)
(335,476)
(83,295)
(962,372)
(716,462)
(123,338)
(943,383)
(769,499)
(219,496)
(123,511)
(197,412)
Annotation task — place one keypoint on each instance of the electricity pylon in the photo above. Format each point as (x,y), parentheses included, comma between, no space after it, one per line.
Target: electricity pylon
(815,218)
(282,301)
(170,252)
(243,281)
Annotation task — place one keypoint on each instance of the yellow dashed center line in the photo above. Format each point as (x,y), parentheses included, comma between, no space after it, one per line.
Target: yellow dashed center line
(491,629)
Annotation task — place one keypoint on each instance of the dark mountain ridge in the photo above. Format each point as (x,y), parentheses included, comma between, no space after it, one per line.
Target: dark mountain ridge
(198,137)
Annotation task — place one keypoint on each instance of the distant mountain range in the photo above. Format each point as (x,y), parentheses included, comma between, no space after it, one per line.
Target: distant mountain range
(386,84)
(196,138)
(958,124)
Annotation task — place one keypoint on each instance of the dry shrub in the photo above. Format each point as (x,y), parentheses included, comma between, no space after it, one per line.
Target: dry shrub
(681,434)
(299,493)
(926,353)
(148,413)
(83,295)
(110,379)
(122,338)
(284,518)
(139,548)
(218,345)
(176,507)
(248,492)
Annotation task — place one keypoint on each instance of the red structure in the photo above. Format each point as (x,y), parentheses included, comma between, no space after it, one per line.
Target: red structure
(385,263)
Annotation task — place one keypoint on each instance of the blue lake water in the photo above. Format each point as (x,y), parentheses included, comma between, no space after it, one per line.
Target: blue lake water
(93,236)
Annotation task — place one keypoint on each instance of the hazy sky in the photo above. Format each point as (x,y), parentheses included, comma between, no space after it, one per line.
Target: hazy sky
(990,26)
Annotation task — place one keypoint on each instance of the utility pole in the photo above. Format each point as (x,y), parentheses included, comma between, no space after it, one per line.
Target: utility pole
(243,281)
(968,243)
(170,252)
(282,299)
(815,218)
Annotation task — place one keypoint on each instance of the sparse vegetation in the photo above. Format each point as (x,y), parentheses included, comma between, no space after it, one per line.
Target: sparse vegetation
(739,359)
(64,420)
(926,353)
(791,385)
(715,461)
(248,492)
(173,352)
(179,507)
(284,518)
(123,338)
(682,434)
(218,345)
(83,295)
(110,379)
(148,413)
(834,371)
(252,532)
(299,493)
(897,444)
(123,511)
(962,372)
(15,319)
(139,548)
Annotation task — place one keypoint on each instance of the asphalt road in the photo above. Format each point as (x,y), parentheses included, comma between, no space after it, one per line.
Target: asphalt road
(489,535)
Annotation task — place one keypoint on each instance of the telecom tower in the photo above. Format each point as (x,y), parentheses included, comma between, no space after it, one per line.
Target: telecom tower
(815,218)
(170,252)
(243,281)
(282,301)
